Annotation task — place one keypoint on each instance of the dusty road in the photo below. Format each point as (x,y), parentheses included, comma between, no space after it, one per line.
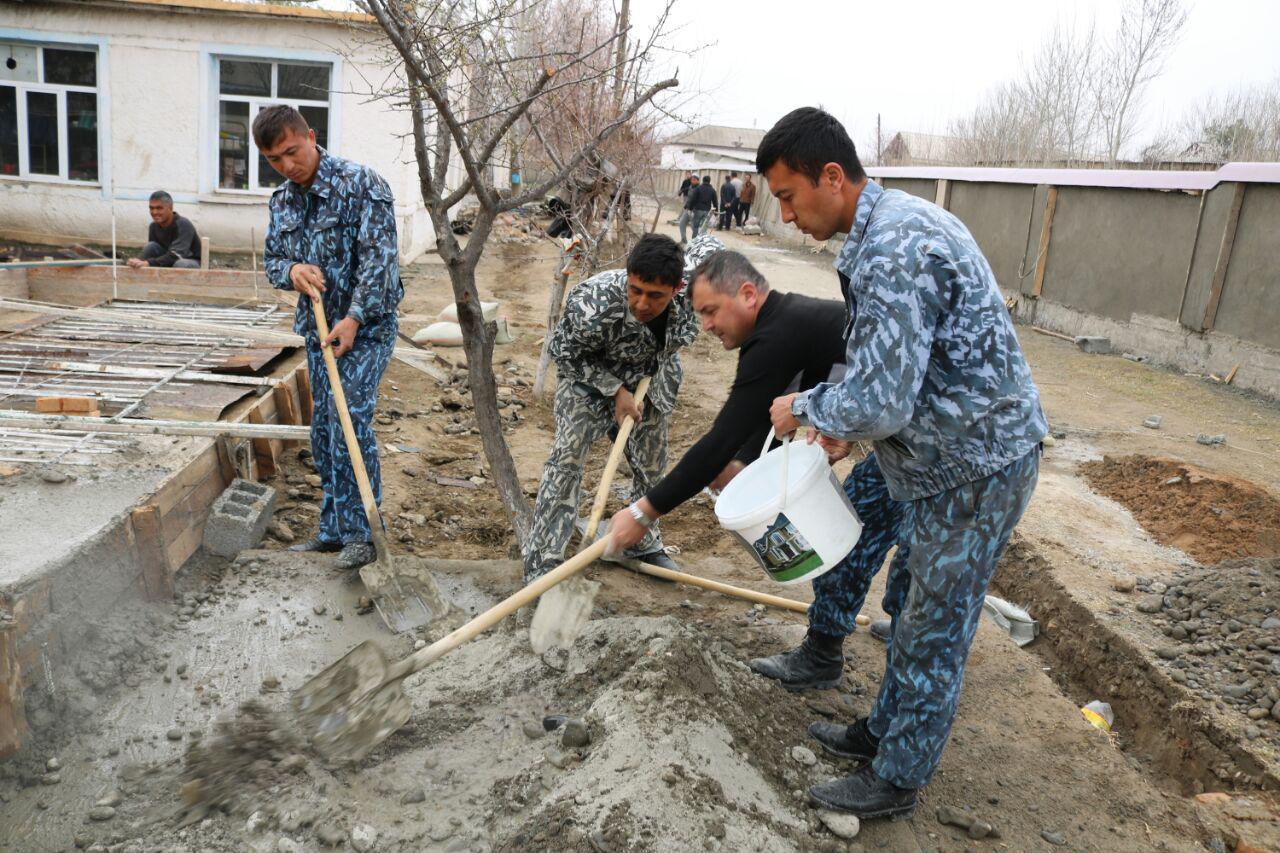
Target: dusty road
(687,749)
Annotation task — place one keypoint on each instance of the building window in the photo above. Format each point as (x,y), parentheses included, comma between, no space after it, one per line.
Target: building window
(245,86)
(48,112)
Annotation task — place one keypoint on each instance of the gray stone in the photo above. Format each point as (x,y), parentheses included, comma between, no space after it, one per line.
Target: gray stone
(110,799)
(1055,838)
(1153,422)
(331,834)
(101,813)
(575,734)
(1122,583)
(1270,623)
(417,795)
(533,730)
(842,825)
(288,845)
(1094,344)
(803,755)
(1204,438)
(50,475)
(363,837)
(239,517)
(1252,732)
(1168,652)
(1150,604)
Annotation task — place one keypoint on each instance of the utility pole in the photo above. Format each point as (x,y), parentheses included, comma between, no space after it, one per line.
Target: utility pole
(878,148)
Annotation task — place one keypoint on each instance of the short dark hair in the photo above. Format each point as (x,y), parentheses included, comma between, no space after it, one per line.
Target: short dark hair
(161,195)
(706,178)
(657,259)
(807,139)
(733,174)
(273,121)
(726,271)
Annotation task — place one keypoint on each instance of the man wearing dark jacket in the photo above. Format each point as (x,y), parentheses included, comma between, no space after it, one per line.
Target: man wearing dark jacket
(697,204)
(172,240)
(728,201)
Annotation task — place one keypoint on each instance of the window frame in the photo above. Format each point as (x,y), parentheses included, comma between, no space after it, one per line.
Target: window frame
(255,103)
(59,91)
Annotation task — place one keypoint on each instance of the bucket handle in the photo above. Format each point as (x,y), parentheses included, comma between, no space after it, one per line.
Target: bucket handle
(786,454)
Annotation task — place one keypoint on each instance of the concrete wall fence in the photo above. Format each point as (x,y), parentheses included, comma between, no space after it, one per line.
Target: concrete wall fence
(1179,267)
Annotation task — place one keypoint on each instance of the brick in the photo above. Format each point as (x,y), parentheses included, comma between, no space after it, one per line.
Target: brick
(49,405)
(238,518)
(78,405)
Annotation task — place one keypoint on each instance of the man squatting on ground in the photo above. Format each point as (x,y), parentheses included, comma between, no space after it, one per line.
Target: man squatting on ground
(780,338)
(935,378)
(172,240)
(618,327)
(332,234)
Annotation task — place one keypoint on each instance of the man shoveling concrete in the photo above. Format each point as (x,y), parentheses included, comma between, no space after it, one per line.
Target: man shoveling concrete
(781,338)
(936,379)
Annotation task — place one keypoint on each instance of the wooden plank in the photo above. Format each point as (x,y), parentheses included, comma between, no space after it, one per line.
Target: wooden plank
(1042,254)
(305,403)
(226,459)
(262,449)
(204,253)
(149,550)
(942,195)
(13,720)
(1224,258)
(173,490)
(286,410)
(259,430)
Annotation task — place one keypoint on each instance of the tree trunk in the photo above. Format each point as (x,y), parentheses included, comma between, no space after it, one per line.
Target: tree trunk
(477,343)
(554,303)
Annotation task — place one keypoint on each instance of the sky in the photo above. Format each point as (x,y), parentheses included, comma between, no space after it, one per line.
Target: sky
(921,63)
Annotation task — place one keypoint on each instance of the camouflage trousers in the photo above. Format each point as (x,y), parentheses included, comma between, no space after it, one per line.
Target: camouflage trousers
(342,516)
(950,544)
(838,594)
(582,416)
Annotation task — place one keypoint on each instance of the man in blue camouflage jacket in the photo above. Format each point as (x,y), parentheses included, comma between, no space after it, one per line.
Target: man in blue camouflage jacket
(937,381)
(618,327)
(332,235)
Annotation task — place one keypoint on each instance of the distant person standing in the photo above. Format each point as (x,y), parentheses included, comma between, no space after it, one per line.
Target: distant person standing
(737,194)
(697,205)
(728,196)
(689,178)
(172,240)
(745,199)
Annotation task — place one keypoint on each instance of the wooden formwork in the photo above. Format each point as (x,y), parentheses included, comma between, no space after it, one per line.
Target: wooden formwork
(157,536)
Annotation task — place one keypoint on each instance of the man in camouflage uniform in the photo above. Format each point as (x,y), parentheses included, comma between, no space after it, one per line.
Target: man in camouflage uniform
(617,328)
(937,381)
(332,234)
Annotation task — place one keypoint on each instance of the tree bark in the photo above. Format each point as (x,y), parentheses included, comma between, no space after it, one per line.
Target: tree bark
(555,302)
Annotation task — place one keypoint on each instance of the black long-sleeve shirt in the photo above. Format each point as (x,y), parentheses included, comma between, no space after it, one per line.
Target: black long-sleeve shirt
(701,197)
(180,241)
(794,335)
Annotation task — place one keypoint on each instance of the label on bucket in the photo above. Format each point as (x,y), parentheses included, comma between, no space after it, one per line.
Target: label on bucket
(782,551)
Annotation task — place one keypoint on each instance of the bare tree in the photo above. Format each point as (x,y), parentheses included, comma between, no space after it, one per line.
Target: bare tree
(1241,125)
(469,84)
(1134,57)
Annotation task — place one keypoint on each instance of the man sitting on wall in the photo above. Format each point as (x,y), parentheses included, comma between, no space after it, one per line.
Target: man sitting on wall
(172,240)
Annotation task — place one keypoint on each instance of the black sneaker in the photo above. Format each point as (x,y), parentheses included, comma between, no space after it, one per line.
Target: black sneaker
(864,794)
(818,664)
(882,630)
(854,741)
(356,554)
(659,558)
(315,543)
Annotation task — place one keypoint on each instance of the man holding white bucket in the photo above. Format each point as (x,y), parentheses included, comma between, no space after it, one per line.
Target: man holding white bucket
(936,379)
(735,303)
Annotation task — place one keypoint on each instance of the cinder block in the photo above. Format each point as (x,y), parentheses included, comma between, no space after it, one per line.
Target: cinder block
(239,517)
(1093,344)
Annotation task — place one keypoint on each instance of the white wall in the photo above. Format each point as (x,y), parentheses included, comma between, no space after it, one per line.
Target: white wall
(158,126)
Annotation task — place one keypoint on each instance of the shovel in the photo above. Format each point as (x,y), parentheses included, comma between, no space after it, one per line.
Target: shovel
(563,611)
(405,594)
(357,702)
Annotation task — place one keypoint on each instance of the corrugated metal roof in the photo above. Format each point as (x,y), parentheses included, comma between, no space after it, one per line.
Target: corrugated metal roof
(719,136)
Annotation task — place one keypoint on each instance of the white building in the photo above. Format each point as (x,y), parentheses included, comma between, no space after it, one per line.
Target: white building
(104,101)
(713,147)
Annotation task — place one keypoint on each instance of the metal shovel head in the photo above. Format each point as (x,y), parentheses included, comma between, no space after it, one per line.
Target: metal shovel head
(349,708)
(404,591)
(561,614)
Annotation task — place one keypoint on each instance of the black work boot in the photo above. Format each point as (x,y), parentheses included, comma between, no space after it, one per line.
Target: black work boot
(315,543)
(356,554)
(864,794)
(882,630)
(817,664)
(854,741)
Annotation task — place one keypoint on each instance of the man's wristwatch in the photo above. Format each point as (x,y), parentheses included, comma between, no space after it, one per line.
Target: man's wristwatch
(640,516)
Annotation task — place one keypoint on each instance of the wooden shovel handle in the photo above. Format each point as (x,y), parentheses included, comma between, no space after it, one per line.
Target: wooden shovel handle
(611,466)
(349,433)
(716,586)
(497,613)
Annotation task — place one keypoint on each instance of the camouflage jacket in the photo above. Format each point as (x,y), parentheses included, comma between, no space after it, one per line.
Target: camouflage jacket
(935,376)
(345,224)
(600,344)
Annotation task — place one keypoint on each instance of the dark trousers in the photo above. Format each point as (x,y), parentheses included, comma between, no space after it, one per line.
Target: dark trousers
(742,212)
(726,216)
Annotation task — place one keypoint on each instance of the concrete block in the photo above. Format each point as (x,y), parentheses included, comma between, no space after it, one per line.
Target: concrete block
(238,518)
(1094,344)
(1153,422)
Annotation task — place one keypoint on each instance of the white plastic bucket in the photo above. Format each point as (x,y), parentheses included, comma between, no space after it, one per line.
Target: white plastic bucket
(789,510)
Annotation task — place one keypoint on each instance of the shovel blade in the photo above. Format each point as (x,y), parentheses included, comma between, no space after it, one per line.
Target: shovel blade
(561,614)
(350,708)
(405,593)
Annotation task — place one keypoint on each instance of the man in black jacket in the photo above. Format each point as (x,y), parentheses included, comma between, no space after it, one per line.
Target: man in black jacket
(781,338)
(728,203)
(172,240)
(697,205)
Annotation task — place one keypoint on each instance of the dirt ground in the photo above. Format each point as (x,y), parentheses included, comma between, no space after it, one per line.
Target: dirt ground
(685,748)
